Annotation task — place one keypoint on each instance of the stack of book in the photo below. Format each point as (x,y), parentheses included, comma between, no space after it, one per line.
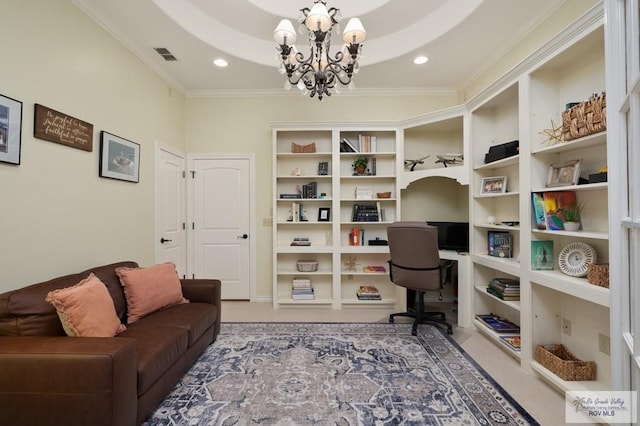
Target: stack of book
(373,269)
(302,289)
(504,288)
(301,241)
(497,324)
(368,292)
(366,212)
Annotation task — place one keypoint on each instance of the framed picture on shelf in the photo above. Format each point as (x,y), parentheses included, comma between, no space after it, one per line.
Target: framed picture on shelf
(564,174)
(324,214)
(119,158)
(542,255)
(494,185)
(323,168)
(10,130)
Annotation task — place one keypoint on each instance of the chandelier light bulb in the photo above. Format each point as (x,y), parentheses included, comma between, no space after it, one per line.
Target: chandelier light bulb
(285,33)
(354,32)
(318,18)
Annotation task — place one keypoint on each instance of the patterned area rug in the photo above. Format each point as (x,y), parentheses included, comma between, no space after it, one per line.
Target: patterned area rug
(336,374)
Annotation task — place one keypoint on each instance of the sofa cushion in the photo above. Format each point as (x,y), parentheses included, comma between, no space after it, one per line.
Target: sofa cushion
(86,309)
(150,289)
(196,318)
(108,276)
(159,348)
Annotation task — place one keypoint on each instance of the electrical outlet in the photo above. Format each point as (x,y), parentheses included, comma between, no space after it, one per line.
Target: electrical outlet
(267,221)
(566,326)
(604,344)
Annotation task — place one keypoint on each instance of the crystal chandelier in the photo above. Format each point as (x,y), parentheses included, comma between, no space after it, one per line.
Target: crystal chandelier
(321,71)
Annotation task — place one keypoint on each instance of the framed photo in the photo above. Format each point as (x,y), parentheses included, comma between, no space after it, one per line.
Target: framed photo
(323,168)
(564,174)
(324,214)
(119,158)
(10,130)
(494,185)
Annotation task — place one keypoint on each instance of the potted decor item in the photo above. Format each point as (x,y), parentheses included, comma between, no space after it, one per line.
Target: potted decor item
(572,217)
(360,165)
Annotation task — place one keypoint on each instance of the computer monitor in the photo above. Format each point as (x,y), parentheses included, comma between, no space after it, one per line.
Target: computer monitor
(452,235)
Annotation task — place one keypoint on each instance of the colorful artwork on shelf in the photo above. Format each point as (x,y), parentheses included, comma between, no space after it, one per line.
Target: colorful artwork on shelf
(555,204)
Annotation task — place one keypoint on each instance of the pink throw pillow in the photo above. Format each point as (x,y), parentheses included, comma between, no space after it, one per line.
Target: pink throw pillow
(150,289)
(86,309)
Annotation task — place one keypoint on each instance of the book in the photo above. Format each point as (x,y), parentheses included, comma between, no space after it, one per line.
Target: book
(368,292)
(498,324)
(500,244)
(511,341)
(555,203)
(542,256)
(537,200)
(502,296)
(374,268)
(505,282)
(347,146)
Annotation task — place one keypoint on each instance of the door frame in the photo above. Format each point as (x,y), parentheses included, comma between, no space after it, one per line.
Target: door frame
(252,216)
(159,146)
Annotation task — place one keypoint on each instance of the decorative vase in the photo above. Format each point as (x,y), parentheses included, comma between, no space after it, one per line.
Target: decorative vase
(571,226)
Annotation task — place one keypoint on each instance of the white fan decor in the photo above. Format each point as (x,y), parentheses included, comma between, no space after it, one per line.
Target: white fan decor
(575,258)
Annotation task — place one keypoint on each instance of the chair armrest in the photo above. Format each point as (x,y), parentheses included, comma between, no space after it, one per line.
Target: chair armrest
(68,380)
(202,290)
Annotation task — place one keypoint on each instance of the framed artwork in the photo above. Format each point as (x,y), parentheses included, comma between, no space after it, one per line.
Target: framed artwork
(10,130)
(119,158)
(494,185)
(564,174)
(324,214)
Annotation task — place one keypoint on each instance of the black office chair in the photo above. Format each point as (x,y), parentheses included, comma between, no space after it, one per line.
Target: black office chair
(415,264)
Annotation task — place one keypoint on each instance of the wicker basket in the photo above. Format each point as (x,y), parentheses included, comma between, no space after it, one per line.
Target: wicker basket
(598,274)
(585,119)
(303,149)
(307,265)
(562,363)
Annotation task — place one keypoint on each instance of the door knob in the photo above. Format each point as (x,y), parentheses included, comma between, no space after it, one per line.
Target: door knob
(243,236)
(164,240)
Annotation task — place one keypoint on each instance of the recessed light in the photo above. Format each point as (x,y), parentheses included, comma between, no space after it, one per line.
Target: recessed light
(220,63)
(419,60)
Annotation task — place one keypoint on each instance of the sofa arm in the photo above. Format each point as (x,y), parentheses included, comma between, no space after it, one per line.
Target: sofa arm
(68,380)
(202,290)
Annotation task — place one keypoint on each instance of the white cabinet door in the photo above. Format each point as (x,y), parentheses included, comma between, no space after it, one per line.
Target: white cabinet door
(221,207)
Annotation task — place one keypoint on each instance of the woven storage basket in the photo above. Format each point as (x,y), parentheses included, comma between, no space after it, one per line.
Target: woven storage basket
(300,149)
(562,363)
(585,119)
(598,274)
(307,265)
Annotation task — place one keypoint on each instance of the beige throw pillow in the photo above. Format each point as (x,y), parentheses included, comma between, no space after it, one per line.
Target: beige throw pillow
(150,289)
(86,309)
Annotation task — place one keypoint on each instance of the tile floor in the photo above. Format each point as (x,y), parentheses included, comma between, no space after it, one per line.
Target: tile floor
(541,401)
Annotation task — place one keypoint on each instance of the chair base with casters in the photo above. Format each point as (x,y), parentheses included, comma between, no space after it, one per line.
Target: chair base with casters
(422,317)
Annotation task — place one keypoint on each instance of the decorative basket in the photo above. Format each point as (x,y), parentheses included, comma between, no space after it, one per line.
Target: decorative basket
(585,119)
(562,363)
(303,149)
(307,265)
(598,274)
(383,194)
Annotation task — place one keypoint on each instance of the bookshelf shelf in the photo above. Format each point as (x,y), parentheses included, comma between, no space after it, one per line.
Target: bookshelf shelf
(495,337)
(482,290)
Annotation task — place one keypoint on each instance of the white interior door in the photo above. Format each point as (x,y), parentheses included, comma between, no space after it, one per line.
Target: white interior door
(171,244)
(220,200)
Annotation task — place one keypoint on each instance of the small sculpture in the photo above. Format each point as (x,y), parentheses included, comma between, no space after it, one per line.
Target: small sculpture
(554,134)
(350,264)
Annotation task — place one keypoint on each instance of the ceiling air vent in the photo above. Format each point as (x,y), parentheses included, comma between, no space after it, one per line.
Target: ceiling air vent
(164,52)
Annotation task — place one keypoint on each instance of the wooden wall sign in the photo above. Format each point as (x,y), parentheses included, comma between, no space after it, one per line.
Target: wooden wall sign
(54,126)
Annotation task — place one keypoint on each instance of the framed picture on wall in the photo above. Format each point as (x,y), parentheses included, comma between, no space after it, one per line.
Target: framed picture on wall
(119,158)
(10,130)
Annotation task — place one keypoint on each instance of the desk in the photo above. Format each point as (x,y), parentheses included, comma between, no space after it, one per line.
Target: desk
(465,289)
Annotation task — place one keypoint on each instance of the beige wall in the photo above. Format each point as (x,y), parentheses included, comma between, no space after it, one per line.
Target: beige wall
(57,216)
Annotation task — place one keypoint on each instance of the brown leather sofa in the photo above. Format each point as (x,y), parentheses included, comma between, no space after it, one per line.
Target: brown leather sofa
(47,378)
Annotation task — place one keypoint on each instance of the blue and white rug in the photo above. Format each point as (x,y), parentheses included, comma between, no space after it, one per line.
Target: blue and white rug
(336,374)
